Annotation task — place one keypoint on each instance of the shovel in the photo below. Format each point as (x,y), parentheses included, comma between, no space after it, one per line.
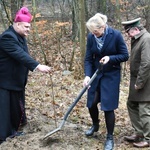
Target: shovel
(75,102)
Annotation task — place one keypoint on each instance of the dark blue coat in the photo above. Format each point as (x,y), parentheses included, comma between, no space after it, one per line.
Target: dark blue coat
(109,78)
(15,61)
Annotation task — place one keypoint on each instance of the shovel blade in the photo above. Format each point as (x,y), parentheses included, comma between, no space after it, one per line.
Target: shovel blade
(50,133)
(56,130)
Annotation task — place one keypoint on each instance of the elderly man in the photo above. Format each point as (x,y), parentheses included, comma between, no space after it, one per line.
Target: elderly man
(15,62)
(138,103)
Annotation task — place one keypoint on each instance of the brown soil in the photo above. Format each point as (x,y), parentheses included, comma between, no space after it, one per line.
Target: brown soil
(47,100)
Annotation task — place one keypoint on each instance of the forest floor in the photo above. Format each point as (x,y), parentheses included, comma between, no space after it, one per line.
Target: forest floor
(47,100)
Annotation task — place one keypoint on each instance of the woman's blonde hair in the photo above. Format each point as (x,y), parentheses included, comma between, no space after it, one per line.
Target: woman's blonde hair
(97,21)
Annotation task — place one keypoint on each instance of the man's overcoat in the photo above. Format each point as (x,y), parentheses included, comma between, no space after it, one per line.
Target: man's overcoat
(140,67)
(14,61)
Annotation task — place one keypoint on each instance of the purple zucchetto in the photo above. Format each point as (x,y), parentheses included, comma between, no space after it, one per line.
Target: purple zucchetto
(23,15)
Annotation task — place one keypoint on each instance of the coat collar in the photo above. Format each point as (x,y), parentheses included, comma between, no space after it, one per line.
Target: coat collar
(140,34)
(108,38)
(20,38)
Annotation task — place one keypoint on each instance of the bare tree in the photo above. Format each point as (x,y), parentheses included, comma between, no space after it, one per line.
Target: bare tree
(145,6)
(101,6)
(10,8)
(82,28)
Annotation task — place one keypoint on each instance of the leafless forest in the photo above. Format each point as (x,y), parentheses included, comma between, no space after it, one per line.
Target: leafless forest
(58,39)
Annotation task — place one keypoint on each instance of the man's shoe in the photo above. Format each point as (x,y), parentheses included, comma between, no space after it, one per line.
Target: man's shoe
(94,128)
(142,144)
(23,124)
(19,133)
(109,144)
(1,141)
(133,138)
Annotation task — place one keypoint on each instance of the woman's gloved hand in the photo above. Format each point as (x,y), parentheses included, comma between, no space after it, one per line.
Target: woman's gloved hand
(86,81)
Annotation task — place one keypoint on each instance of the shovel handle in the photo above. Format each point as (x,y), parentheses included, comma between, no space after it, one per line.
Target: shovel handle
(83,90)
(75,102)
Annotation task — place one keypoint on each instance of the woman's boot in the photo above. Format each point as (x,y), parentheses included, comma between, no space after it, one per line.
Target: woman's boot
(94,113)
(109,143)
(94,128)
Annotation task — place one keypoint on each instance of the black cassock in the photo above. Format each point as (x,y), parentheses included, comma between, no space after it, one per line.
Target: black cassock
(15,63)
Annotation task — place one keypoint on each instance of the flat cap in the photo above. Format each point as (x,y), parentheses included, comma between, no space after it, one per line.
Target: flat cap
(132,23)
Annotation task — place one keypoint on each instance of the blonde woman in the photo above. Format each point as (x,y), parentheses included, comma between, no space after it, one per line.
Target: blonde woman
(104,44)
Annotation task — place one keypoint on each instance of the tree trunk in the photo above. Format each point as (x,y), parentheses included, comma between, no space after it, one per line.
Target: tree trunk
(147,17)
(82,29)
(75,18)
(101,6)
(15,6)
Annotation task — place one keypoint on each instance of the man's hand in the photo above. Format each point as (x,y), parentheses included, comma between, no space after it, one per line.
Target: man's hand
(43,68)
(137,87)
